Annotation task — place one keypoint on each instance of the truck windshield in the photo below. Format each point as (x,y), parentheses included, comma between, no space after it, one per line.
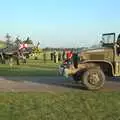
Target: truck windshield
(108,39)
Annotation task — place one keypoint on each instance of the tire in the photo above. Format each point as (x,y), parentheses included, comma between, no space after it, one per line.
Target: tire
(96,81)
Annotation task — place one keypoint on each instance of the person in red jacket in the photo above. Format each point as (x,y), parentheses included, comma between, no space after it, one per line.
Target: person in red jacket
(69,55)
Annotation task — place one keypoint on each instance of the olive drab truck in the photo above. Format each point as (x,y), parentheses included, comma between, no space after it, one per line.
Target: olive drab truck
(96,64)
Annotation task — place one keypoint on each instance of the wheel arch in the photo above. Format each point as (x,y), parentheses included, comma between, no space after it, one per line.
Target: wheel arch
(107,67)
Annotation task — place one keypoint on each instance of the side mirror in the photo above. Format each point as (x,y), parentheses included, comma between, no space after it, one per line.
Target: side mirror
(101,42)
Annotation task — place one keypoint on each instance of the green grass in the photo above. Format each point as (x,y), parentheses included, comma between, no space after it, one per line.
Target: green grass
(74,105)
(32,68)
(2,44)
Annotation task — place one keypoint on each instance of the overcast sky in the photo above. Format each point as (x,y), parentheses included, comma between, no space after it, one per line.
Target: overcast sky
(59,23)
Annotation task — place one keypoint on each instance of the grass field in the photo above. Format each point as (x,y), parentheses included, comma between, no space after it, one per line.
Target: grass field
(76,105)
(32,68)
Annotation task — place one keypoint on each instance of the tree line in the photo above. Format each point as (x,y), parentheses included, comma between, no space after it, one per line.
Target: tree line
(62,49)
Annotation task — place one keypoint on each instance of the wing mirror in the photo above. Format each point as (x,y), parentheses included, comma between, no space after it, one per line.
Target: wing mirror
(101,42)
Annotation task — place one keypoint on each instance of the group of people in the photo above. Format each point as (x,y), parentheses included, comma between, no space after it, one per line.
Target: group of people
(68,56)
(56,56)
(71,57)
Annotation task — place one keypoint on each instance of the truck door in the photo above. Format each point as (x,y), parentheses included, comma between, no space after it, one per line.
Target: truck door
(117,57)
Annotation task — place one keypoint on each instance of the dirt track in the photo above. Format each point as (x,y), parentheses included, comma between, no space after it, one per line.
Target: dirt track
(47,84)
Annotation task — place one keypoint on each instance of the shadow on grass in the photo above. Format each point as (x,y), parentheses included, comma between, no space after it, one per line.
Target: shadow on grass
(57,81)
(113,79)
(54,81)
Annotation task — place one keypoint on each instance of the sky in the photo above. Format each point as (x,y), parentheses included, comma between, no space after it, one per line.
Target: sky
(59,23)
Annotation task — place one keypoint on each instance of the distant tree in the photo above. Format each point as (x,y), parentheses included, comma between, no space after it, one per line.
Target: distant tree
(36,51)
(8,41)
(18,40)
(28,41)
(38,44)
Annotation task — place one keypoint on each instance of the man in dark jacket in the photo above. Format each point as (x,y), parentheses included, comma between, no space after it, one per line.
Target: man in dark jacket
(51,55)
(75,59)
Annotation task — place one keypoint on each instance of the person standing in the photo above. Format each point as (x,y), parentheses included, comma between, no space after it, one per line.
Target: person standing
(75,59)
(54,56)
(63,55)
(59,56)
(51,55)
(69,55)
(44,57)
(24,59)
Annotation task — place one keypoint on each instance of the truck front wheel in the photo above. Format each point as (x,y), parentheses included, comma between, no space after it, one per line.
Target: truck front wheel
(93,79)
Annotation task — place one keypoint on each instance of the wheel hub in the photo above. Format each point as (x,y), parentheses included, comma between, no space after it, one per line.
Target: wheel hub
(94,78)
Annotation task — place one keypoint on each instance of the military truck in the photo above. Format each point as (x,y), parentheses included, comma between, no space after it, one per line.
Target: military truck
(96,64)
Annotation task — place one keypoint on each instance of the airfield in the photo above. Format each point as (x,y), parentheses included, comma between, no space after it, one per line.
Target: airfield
(34,90)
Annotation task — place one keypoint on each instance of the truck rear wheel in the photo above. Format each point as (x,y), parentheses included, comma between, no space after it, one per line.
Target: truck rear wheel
(93,79)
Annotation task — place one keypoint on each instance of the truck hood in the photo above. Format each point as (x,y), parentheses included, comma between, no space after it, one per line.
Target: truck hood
(95,50)
(96,54)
